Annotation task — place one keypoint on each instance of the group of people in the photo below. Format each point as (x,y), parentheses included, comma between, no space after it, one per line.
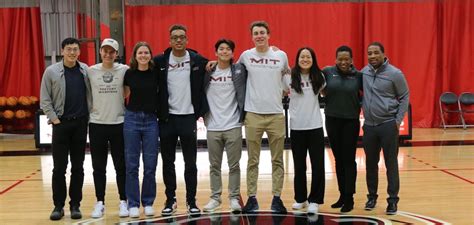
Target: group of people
(132,110)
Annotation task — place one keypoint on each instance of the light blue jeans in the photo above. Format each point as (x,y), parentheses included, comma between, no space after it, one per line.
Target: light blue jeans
(140,133)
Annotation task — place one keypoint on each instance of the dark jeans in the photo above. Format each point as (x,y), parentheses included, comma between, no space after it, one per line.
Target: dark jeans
(100,136)
(302,142)
(343,134)
(184,127)
(383,136)
(69,138)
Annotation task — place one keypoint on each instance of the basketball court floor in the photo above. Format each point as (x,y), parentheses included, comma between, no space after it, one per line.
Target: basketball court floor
(436,174)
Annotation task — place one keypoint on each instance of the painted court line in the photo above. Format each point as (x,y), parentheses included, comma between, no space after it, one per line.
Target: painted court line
(442,170)
(18,182)
(11,187)
(457,176)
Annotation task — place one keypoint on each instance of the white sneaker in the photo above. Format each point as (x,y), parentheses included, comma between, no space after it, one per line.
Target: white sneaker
(134,212)
(212,205)
(299,206)
(149,211)
(313,208)
(123,209)
(235,205)
(98,210)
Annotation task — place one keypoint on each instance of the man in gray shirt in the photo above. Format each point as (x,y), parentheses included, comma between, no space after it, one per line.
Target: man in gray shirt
(385,102)
(65,99)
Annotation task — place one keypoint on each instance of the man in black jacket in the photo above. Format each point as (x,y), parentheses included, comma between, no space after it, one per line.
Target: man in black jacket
(182,102)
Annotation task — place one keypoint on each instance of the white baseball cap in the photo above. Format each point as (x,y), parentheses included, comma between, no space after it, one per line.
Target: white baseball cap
(110,42)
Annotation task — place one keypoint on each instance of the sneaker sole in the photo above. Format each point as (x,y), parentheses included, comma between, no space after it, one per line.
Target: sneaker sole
(236,210)
(57,218)
(169,213)
(76,217)
(391,213)
(369,209)
(250,211)
(211,210)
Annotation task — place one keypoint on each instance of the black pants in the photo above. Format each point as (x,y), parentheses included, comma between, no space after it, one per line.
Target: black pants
(69,138)
(343,134)
(184,127)
(101,135)
(302,142)
(383,136)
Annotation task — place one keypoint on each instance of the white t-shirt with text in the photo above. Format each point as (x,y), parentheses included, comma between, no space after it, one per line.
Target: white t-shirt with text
(223,108)
(305,113)
(179,85)
(264,83)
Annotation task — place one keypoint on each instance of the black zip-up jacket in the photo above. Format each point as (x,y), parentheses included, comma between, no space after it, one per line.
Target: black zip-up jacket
(198,96)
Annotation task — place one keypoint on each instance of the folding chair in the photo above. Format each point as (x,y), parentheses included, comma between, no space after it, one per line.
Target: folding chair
(448,103)
(466,103)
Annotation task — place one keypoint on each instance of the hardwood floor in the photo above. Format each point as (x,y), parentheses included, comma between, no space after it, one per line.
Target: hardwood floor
(437,181)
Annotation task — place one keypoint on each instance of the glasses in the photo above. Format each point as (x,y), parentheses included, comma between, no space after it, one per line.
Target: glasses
(180,37)
(71,50)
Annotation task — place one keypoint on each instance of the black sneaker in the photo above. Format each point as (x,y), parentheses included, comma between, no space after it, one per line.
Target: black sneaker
(170,207)
(277,205)
(347,207)
(57,213)
(391,209)
(348,204)
(192,208)
(251,205)
(370,204)
(75,213)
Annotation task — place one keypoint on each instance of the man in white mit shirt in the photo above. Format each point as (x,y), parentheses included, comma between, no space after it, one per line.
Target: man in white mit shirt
(225,90)
(264,112)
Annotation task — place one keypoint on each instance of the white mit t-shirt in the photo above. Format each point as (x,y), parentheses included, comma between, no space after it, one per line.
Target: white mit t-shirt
(179,85)
(264,83)
(305,113)
(223,108)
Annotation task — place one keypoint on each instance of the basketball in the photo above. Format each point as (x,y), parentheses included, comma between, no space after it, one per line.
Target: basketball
(33,99)
(20,114)
(23,100)
(8,114)
(11,101)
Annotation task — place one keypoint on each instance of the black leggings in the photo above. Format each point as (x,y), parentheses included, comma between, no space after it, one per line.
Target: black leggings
(343,134)
(302,142)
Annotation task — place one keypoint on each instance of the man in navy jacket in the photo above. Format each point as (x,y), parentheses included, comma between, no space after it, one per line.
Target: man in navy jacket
(182,102)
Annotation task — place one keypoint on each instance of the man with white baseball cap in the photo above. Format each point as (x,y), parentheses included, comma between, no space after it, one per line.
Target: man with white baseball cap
(106,123)
(110,42)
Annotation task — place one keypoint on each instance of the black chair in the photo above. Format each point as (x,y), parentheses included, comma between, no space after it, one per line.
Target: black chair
(466,103)
(448,103)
